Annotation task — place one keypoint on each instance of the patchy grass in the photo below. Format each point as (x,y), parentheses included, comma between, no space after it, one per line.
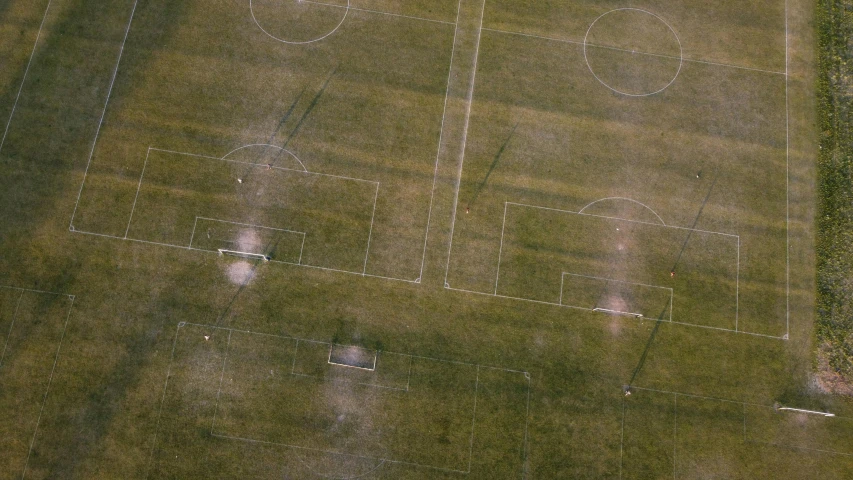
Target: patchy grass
(835,219)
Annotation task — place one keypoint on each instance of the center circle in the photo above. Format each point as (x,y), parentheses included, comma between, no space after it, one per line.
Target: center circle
(633,52)
(299,22)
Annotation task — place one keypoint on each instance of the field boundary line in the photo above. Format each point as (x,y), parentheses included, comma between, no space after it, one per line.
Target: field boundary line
(379,12)
(470,102)
(103,114)
(26,72)
(440,140)
(49,383)
(593,45)
(11,326)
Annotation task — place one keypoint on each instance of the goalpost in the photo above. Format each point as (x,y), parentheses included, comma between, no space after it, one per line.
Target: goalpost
(235,253)
(618,312)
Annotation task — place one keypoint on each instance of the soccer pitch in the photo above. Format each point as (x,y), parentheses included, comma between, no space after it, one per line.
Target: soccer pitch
(412,240)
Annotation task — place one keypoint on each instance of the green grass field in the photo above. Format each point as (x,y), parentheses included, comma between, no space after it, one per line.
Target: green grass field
(484,220)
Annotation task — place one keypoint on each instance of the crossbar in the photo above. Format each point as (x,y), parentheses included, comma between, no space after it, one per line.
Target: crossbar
(618,312)
(236,253)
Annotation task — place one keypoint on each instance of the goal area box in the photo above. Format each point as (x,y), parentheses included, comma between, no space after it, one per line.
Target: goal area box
(240,239)
(591,261)
(616,296)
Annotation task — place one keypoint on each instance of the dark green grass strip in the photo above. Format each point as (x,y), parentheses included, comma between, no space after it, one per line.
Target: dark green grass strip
(835,197)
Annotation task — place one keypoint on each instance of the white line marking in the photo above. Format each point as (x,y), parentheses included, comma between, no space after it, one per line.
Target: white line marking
(192,235)
(674,435)
(348,382)
(618,312)
(542,302)
(409,376)
(787,192)
(378,12)
(26,72)
(370,231)
(680,53)
(363,457)
(225,157)
(610,280)
(440,139)
(320,342)
(36,291)
(622,438)
(500,253)
(262,165)
(626,199)
(262,442)
(162,401)
(737,287)
(525,450)
(252,12)
(47,391)
(474,420)
(580,43)
(263,227)
(295,351)
(623,219)
(138,188)
(103,114)
(470,101)
(221,377)
(11,326)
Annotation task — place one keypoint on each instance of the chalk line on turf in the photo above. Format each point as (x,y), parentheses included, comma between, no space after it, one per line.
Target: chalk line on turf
(24,79)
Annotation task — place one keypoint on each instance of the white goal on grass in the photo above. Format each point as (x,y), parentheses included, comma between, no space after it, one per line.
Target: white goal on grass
(617,312)
(235,253)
